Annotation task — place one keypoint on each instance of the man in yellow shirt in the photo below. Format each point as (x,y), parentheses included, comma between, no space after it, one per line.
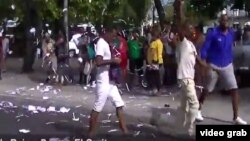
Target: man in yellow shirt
(155,60)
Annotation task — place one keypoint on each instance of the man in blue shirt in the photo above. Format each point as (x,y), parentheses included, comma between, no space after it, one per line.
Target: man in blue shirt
(217,52)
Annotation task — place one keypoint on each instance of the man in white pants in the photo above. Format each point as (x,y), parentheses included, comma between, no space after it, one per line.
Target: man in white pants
(186,56)
(105,88)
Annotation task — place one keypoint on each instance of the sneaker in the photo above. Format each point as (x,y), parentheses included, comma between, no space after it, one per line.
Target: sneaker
(239,121)
(199,116)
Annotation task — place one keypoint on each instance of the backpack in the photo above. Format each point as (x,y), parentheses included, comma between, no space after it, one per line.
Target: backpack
(134,49)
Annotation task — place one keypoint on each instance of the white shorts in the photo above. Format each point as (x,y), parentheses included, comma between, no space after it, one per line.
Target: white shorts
(225,76)
(104,92)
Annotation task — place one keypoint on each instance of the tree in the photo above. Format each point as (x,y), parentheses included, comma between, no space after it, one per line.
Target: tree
(208,8)
(160,11)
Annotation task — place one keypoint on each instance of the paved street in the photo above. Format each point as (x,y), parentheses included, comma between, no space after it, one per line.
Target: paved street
(26,103)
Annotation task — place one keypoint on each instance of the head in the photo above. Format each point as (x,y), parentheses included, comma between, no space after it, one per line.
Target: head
(167,26)
(187,30)
(155,33)
(47,37)
(110,34)
(173,36)
(135,34)
(223,22)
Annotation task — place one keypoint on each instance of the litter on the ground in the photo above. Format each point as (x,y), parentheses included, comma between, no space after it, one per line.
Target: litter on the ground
(74,118)
(51,109)
(64,110)
(45,97)
(6,104)
(25,131)
(140,125)
(31,108)
(78,106)
(109,116)
(31,89)
(113,130)
(41,109)
(137,133)
(48,123)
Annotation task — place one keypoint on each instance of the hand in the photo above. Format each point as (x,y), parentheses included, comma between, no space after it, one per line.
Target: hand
(116,60)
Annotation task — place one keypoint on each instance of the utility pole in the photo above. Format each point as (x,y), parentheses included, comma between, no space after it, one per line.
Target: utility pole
(66,23)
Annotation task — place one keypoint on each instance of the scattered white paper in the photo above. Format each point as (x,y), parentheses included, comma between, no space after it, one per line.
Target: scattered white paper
(45,90)
(113,130)
(168,114)
(55,92)
(6,104)
(78,106)
(37,87)
(82,115)
(35,112)
(41,109)
(19,116)
(132,97)
(64,110)
(11,92)
(137,133)
(41,84)
(106,121)
(173,98)
(74,118)
(31,108)
(109,116)
(48,123)
(51,109)
(31,89)
(18,120)
(140,125)
(45,97)
(25,131)
(85,87)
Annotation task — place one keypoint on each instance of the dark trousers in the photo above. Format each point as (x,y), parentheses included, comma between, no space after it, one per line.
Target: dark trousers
(153,79)
(133,65)
(136,64)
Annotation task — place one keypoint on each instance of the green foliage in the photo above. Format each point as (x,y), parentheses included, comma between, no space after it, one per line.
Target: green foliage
(207,8)
(98,11)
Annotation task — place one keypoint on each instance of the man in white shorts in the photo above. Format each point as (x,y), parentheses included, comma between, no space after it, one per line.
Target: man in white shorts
(105,88)
(217,52)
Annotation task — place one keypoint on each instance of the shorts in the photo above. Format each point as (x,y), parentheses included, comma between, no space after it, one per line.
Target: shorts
(225,76)
(105,92)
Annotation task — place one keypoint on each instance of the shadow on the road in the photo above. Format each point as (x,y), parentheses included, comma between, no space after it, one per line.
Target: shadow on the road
(218,120)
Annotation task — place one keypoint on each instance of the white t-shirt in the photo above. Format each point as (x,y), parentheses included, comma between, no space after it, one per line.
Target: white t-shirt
(186,57)
(75,38)
(102,49)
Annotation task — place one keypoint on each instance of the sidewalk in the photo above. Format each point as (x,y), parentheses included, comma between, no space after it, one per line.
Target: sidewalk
(139,106)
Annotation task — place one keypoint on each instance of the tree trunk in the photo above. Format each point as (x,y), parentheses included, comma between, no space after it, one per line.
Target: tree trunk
(160,11)
(66,26)
(31,18)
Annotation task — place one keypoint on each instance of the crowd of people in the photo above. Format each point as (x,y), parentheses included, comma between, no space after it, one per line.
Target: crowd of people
(176,54)
(200,60)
